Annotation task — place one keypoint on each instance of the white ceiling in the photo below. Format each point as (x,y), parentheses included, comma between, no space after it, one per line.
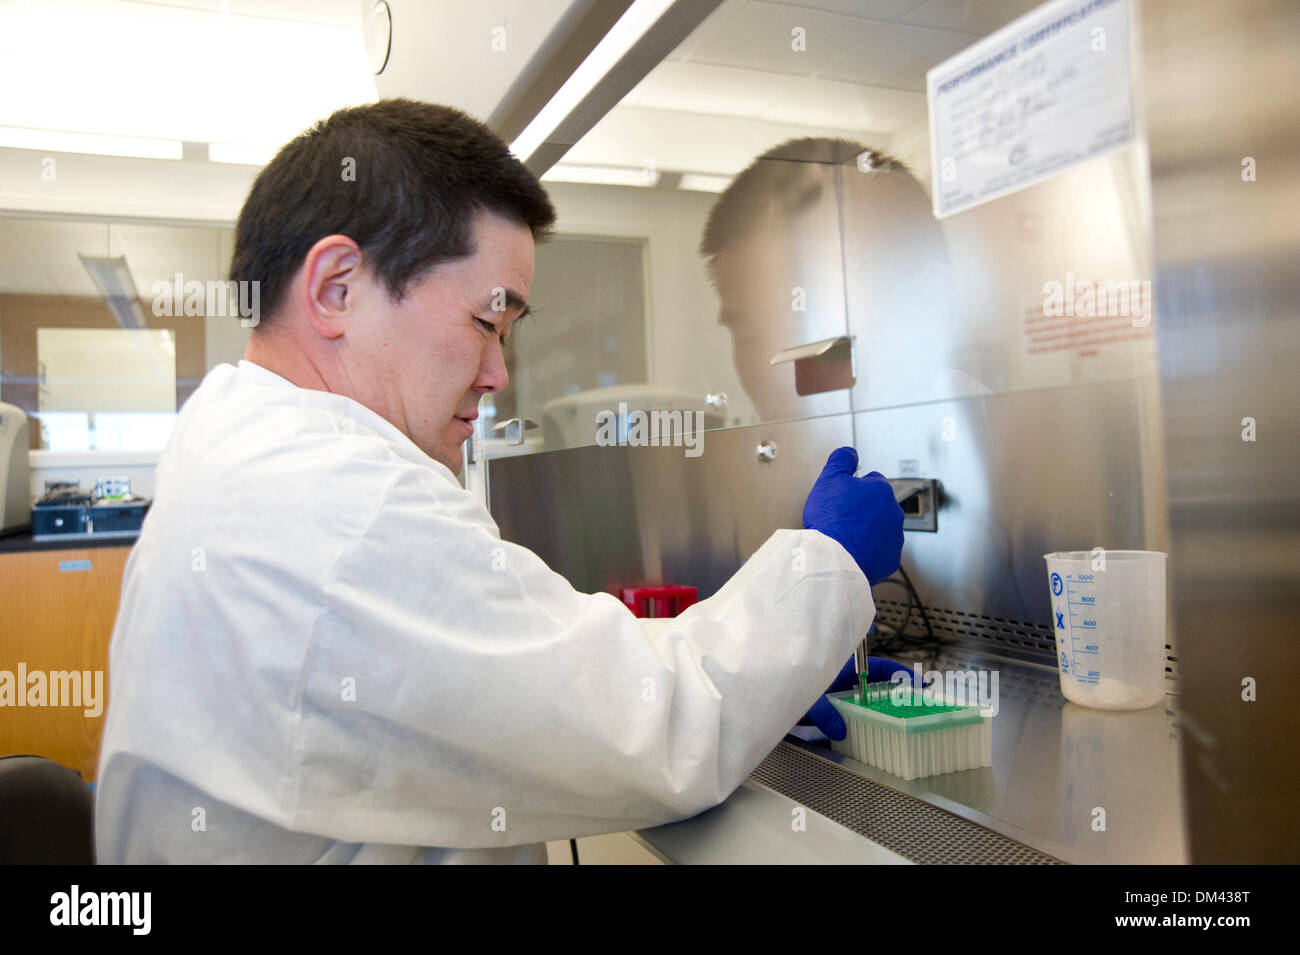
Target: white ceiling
(862,75)
(443,51)
(340,13)
(181,70)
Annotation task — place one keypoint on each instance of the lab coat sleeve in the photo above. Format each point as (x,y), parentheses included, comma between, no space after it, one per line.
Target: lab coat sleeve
(492,704)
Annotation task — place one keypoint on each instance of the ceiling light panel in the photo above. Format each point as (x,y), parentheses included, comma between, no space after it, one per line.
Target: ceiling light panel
(195,75)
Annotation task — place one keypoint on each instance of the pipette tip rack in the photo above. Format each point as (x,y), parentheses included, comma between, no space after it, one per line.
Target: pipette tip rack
(911,733)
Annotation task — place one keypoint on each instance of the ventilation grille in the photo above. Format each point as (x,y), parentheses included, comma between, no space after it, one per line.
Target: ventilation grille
(914,829)
(1017,639)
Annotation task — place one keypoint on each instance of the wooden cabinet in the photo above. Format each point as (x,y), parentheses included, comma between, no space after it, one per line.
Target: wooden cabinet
(57,609)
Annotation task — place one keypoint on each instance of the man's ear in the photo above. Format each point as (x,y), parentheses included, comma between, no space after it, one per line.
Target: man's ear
(328,284)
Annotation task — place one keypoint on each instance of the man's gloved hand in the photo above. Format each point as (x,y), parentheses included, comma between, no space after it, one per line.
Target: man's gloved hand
(823,714)
(860,513)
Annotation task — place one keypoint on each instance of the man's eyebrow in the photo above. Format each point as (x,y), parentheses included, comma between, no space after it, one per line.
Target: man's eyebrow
(513,300)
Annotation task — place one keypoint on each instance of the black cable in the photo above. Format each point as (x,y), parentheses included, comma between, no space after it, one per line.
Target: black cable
(895,631)
(573,847)
(924,616)
(898,640)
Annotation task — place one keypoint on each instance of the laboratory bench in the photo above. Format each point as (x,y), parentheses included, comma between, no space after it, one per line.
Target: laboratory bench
(58,603)
(13,543)
(1067,785)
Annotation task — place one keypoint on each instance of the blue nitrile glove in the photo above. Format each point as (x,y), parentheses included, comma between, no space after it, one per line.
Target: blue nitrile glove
(823,714)
(860,513)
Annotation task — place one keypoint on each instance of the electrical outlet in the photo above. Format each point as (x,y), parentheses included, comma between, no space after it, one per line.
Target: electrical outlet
(920,499)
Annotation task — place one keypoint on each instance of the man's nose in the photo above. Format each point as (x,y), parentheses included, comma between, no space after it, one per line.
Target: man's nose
(492,373)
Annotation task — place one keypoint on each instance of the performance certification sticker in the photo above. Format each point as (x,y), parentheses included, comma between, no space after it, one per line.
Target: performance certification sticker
(1048,91)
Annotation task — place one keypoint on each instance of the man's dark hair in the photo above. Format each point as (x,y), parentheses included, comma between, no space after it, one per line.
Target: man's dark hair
(776,187)
(421,174)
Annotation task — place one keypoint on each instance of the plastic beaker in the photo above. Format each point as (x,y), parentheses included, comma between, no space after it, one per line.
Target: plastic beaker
(1108,613)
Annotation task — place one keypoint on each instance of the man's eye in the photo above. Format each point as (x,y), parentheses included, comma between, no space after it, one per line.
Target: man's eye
(491,328)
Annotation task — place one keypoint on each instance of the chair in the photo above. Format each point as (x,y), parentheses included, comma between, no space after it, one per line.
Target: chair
(47,814)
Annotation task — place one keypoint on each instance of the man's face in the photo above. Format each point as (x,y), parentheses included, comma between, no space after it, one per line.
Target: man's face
(757,276)
(753,289)
(435,353)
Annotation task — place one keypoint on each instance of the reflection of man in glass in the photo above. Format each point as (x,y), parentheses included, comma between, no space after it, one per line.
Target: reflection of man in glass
(820,238)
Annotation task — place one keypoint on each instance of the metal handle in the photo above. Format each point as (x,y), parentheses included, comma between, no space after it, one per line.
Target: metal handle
(828,349)
(512,429)
(821,366)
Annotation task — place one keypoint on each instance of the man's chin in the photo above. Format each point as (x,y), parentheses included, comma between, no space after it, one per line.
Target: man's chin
(445,453)
(452,461)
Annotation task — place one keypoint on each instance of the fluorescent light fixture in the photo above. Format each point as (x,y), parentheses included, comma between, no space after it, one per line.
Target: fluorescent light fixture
(54,141)
(703,182)
(601,175)
(240,154)
(623,35)
(113,279)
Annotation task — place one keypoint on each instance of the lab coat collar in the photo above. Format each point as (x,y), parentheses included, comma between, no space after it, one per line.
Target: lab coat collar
(349,408)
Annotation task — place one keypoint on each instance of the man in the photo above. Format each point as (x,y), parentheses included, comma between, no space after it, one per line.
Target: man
(820,237)
(326,653)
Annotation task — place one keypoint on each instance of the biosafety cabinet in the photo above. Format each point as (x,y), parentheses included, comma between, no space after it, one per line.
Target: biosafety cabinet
(1035,259)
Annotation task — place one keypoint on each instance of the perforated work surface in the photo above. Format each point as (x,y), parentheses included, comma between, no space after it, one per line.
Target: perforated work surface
(901,823)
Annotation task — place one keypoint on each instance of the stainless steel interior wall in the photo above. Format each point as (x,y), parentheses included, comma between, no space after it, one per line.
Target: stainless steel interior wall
(1037,450)
(1023,474)
(1015,488)
(1222,88)
(608,517)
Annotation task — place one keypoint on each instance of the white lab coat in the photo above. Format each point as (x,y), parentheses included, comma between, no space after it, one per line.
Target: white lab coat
(325,653)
